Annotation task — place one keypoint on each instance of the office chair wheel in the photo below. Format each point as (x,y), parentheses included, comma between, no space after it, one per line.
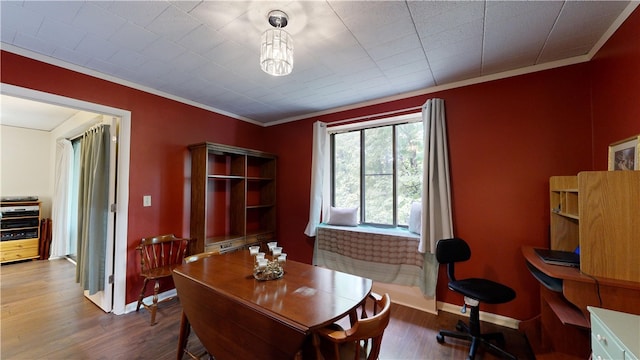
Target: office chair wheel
(440,339)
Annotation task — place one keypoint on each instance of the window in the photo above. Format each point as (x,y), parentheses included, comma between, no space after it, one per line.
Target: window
(378,169)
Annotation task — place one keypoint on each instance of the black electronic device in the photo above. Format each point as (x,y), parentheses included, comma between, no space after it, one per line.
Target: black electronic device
(18,198)
(559,257)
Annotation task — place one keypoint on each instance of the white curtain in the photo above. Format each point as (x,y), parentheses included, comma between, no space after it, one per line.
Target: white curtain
(319,178)
(436,193)
(93,208)
(60,213)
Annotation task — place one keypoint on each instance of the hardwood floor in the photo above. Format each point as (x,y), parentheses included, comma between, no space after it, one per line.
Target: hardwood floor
(45,316)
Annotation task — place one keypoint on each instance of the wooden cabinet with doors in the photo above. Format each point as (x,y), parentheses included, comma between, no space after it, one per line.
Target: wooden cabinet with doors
(600,212)
(610,224)
(20,223)
(233,196)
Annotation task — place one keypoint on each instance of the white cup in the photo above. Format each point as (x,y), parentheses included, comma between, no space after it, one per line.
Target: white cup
(276,251)
(282,258)
(262,264)
(253,250)
(259,256)
(272,244)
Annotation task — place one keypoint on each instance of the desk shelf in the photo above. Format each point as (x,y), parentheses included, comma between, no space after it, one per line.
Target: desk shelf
(566,312)
(565,216)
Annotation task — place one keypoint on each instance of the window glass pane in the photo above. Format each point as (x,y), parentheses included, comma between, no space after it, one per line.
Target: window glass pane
(378,203)
(378,175)
(409,143)
(347,169)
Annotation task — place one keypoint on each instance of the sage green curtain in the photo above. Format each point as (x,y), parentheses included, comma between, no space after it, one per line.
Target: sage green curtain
(93,208)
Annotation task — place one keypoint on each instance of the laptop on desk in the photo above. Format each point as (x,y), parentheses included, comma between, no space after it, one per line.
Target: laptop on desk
(559,257)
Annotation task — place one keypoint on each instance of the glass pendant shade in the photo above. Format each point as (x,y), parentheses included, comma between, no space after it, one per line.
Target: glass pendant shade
(276,52)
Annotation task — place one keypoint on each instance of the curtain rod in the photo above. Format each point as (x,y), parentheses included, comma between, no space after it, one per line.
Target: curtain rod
(373,116)
(92,127)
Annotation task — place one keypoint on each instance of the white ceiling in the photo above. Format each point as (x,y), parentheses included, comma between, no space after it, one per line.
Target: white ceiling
(346,52)
(28,114)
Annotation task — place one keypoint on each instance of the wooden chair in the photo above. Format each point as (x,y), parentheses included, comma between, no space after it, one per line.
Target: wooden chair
(362,340)
(376,299)
(158,256)
(185,326)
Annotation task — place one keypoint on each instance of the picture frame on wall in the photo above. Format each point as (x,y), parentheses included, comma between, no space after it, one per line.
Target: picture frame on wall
(625,154)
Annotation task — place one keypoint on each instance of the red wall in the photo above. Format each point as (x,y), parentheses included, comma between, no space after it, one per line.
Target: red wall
(161,129)
(615,79)
(506,138)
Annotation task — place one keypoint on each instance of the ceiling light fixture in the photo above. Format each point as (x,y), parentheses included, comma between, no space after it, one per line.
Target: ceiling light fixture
(276,49)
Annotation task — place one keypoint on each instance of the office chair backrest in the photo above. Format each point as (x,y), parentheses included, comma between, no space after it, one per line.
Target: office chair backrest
(451,251)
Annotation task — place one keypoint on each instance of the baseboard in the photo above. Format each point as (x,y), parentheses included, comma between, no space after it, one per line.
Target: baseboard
(409,296)
(484,316)
(162,296)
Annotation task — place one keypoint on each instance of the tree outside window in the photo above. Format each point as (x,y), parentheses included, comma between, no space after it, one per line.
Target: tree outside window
(379,170)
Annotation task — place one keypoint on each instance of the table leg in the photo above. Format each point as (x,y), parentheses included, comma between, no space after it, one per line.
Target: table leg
(185,328)
(316,345)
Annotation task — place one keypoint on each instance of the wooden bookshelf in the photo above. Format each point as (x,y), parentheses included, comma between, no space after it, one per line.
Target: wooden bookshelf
(232,197)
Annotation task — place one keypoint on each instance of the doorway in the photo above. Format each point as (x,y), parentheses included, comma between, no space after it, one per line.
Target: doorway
(122,178)
(84,187)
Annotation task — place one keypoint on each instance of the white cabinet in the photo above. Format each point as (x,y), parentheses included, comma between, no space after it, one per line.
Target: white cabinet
(614,335)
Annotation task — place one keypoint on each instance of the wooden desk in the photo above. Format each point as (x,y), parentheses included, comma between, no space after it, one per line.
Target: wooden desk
(563,325)
(238,317)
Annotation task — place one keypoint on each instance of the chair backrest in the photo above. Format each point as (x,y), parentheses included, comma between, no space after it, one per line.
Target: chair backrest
(376,300)
(369,331)
(451,251)
(162,250)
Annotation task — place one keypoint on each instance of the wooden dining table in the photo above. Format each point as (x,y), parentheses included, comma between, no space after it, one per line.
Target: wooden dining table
(236,316)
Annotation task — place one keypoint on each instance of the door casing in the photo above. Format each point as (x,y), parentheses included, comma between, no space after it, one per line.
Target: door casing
(122,196)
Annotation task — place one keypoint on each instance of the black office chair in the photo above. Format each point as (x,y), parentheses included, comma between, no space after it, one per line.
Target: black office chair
(475,291)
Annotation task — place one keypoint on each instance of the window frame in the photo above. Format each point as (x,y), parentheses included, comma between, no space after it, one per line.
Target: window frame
(361,126)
